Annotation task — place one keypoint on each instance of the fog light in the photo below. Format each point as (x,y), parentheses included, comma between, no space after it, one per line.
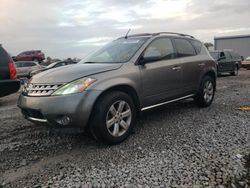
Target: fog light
(64,120)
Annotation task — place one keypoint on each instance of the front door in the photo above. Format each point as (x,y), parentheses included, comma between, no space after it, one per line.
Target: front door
(225,63)
(161,78)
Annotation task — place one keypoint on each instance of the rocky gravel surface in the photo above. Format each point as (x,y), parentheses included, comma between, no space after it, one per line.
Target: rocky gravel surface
(178,145)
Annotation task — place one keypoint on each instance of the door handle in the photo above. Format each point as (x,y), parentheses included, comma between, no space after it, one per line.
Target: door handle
(176,68)
(201,64)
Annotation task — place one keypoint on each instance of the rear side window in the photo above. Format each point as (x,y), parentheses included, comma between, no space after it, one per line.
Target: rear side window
(197,45)
(28,53)
(184,48)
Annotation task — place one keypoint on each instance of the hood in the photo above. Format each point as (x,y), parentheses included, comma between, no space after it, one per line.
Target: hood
(66,74)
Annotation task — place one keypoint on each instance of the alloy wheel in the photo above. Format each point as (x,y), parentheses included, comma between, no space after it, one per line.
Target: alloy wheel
(118,118)
(208,91)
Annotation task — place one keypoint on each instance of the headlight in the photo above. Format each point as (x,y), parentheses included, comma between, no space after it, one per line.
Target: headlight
(76,86)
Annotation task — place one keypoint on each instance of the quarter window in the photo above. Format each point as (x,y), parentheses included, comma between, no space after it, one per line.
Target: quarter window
(162,48)
(197,45)
(184,48)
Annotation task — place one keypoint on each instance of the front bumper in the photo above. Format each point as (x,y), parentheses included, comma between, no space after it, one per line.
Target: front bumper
(48,110)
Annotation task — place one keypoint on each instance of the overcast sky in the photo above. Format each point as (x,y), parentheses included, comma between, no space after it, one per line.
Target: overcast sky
(74,28)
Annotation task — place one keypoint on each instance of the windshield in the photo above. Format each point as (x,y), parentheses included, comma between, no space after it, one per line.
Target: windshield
(118,51)
(215,55)
(51,65)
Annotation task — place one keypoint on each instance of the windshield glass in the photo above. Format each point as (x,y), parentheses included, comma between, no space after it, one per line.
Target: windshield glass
(118,51)
(215,55)
(51,65)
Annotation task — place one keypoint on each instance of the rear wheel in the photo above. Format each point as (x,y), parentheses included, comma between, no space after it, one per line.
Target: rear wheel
(113,117)
(206,92)
(235,71)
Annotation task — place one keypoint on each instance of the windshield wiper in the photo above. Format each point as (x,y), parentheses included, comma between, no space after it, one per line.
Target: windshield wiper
(88,62)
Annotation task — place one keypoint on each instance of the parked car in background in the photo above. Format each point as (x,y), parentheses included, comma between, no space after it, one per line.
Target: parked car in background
(105,91)
(32,55)
(8,82)
(227,61)
(246,63)
(53,65)
(24,68)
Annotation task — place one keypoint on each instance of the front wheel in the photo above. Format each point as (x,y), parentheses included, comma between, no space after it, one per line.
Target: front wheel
(113,117)
(205,95)
(235,71)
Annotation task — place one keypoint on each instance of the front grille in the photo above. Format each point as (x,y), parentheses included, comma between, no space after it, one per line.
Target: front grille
(40,89)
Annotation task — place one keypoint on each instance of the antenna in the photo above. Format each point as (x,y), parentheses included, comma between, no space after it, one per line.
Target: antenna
(126,36)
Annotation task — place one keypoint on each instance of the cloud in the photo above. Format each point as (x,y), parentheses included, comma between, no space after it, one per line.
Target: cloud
(96,41)
(75,28)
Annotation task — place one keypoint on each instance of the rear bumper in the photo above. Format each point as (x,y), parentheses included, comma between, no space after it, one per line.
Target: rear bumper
(8,87)
(50,110)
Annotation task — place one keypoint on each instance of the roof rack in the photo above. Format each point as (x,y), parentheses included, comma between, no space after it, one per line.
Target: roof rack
(154,34)
(173,33)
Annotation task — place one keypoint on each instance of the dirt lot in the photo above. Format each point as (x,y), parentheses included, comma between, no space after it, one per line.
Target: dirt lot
(172,146)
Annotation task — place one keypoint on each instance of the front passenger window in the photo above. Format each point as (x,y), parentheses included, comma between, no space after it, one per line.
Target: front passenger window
(161,48)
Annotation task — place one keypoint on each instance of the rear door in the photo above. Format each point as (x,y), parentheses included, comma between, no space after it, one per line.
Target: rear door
(4,67)
(229,61)
(190,63)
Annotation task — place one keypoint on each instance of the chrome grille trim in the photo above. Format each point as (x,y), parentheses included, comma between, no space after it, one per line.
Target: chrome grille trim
(40,89)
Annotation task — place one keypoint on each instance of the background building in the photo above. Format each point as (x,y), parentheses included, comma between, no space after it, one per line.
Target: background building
(240,44)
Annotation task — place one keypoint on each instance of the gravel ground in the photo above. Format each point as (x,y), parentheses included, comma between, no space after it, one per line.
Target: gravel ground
(178,145)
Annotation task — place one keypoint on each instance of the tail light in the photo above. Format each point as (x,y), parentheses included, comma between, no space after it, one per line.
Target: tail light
(12,69)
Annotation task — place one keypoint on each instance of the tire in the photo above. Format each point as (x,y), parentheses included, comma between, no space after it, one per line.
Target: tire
(107,110)
(205,95)
(235,71)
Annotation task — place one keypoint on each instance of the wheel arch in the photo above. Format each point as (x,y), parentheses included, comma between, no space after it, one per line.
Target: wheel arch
(129,90)
(210,73)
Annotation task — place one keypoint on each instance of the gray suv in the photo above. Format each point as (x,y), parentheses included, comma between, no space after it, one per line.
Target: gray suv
(105,91)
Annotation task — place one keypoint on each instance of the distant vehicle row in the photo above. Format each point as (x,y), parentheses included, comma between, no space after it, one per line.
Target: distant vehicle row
(30,68)
(53,65)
